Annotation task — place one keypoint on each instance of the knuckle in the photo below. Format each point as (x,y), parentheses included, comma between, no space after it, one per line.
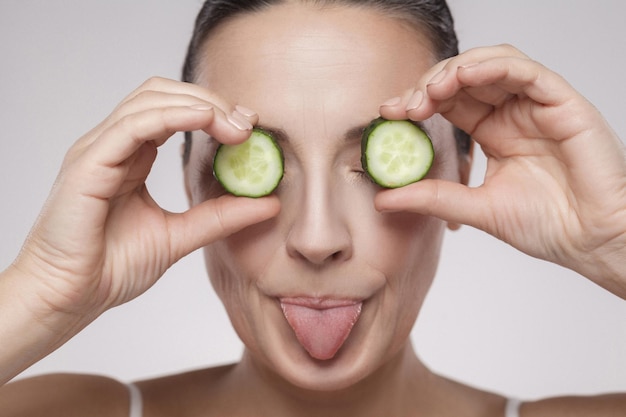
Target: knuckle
(153,83)
(129,126)
(146,94)
(126,123)
(143,96)
(506,46)
(510,50)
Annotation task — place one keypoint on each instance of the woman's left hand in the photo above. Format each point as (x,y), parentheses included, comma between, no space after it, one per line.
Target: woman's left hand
(555,184)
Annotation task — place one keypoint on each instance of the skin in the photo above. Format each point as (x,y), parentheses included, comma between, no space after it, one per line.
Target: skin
(328,241)
(328,231)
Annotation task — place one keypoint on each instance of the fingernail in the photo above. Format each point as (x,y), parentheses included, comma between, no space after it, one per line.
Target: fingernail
(201,107)
(245,111)
(438,78)
(392,101)
(415,101)
(239,121)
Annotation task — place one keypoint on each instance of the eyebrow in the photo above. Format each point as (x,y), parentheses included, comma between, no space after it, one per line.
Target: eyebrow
(351,135)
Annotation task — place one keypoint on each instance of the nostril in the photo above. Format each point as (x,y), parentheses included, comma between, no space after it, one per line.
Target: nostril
(339,255)
(318,256)
(319,248)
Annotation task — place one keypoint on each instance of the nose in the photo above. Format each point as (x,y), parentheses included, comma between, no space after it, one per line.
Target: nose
(319,233)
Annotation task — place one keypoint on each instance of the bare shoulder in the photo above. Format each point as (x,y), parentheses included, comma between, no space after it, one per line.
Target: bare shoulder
(188,393)
(607,405)
(64,395)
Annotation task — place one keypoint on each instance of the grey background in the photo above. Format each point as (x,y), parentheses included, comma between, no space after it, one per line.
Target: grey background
(495,318)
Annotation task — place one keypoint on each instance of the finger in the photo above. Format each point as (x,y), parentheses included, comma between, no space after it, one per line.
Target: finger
(168,86)
(137,168)
(419,106)
(511,75)
(396,107)
(466,96)
(180,95)
(469,58)
(198,95)
(122,139)
(160,92)
(100,169)
(449,201)
(157,125)
(216,219)
(229,126)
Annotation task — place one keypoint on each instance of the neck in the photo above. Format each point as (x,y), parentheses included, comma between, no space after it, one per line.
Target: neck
(400,384)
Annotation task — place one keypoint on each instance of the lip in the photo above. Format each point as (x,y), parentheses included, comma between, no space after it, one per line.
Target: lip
(319,303)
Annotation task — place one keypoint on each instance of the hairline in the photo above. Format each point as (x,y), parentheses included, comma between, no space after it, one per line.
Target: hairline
(419,25)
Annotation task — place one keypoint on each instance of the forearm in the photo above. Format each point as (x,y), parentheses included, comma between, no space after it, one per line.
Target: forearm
(29,329)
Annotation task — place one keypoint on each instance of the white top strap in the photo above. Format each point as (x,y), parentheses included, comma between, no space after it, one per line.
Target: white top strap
(512,408)
(136,402)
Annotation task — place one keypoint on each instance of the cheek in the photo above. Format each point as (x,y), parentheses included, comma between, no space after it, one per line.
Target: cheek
(407,249)
(405,244)
(234,263)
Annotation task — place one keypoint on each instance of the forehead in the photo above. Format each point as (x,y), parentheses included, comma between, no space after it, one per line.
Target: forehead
(291,44)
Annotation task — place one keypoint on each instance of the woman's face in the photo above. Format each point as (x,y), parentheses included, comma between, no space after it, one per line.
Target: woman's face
(328,291)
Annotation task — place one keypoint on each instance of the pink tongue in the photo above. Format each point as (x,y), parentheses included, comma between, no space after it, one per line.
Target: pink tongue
(321,331)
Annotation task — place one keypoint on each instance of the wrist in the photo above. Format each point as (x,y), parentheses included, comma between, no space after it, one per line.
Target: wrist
(30,328)
(605,267)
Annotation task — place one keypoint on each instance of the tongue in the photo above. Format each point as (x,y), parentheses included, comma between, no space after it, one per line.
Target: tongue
(321,331)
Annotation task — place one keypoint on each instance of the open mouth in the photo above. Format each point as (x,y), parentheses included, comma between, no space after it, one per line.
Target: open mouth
(321,325)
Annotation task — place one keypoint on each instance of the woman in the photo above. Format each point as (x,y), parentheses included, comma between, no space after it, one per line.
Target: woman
(323,280)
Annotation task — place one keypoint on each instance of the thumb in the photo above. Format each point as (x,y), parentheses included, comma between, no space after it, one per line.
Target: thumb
(449,201)
(216,219)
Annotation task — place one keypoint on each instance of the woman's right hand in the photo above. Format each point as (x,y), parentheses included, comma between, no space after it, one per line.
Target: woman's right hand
(101,240)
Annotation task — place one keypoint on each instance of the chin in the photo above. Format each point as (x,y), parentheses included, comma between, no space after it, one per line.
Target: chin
(339,373)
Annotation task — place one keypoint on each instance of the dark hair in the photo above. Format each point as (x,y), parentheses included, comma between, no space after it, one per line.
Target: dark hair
(431,16)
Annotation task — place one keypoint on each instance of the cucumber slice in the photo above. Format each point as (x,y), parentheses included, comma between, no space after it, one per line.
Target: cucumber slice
(253,168)
(395,153)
